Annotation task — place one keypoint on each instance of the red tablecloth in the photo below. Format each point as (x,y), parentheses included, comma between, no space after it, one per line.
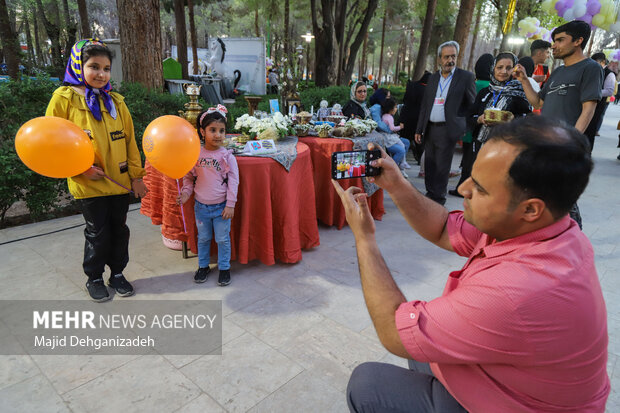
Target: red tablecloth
(274,217)
(329,209)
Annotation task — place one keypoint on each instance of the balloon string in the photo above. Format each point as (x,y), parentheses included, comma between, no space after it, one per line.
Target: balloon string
(122,186)
(182,213)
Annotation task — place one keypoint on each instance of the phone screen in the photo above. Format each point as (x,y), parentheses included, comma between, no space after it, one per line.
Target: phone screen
(354,164)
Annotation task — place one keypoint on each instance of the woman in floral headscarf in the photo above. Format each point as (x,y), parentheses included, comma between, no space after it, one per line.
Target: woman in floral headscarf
(503,93)
(356,107)
(102,190)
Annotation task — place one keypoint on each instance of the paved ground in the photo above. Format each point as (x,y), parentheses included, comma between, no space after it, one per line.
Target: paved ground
(292,333)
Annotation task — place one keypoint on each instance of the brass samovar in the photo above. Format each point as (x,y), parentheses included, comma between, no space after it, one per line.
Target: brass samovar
(193,108)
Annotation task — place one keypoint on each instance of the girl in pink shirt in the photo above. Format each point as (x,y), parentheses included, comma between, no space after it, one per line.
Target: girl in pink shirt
(214,181)
(388,109)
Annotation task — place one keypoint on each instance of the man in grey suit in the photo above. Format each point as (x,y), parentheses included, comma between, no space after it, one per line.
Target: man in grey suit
(447,100)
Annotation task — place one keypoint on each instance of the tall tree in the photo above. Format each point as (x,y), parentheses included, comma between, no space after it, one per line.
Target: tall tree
(179,18)
(85,27)
(53,33)
(141,42)
(474,39)
(425,39)
(382,43)
(462,26)
(339,36)
(10,44)
(70,27)
(193,35)
(324,51)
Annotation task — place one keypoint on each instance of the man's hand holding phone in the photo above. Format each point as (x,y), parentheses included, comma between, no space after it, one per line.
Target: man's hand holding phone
(390,176)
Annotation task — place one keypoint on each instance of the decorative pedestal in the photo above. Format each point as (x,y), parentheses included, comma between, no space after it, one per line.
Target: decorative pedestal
(252,103)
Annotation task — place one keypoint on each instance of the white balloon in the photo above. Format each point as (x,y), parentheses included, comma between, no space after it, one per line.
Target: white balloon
(569,15)
(615,27)
(579,11)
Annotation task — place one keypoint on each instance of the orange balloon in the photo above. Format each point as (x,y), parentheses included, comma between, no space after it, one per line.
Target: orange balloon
(369,77)
(54,147)
(171,145)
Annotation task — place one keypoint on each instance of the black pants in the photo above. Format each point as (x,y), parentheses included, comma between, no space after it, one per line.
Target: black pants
(106,233)
(470,151)
(380,387)
(439,149)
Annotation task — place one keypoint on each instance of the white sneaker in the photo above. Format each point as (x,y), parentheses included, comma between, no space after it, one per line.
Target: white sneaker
(404,173)
(404,165)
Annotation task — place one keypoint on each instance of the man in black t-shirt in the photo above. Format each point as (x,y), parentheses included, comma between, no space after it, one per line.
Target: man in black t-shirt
(573,90)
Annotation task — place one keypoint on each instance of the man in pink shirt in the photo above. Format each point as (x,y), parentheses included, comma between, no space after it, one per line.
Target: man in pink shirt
(522,327)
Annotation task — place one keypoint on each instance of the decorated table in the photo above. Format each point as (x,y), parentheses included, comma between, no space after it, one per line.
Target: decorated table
(275,217)
(329,209)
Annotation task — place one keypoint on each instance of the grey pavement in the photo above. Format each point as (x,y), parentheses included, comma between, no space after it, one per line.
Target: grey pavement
(292,333)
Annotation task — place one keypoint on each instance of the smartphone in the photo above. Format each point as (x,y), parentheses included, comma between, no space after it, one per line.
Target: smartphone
(354,164)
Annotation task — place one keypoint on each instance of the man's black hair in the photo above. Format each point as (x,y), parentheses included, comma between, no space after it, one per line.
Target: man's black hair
(539,44)
(483,67)
(554,164)
(575,29)
(528,64)
(599,57)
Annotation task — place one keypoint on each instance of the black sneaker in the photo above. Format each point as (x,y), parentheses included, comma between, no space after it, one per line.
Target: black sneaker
(121,285)
(97,290)
(224,278)
(201,275)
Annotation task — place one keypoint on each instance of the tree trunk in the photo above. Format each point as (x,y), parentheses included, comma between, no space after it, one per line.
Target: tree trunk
(287,48)
(324,70)
(53,33)
(39,58)
(141,42)
(85,27)
(474,39)
(359,38)
(256,21)
(193,35)
(31,61)
(70,27)
(425,39)
(179,19)
(340,15)
(10,44)
(382,41)
(364,57)
(462,26)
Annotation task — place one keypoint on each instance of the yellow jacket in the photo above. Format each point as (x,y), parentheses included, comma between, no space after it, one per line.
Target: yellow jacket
(116,151)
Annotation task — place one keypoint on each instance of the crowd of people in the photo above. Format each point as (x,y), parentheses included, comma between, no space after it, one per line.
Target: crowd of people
(522,327)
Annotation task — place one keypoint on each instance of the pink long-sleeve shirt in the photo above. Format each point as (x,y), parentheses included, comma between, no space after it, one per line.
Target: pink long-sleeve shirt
(214,179)
(521,328)
(389,120)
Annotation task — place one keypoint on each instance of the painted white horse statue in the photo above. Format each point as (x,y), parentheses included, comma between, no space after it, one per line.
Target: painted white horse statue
(216,60)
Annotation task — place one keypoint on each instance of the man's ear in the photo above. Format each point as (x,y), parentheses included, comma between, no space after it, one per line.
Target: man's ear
(578,41)
(532,209)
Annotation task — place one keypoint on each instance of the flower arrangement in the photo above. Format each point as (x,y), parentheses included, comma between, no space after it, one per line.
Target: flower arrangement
(323,129)
(361,127)
(253,127)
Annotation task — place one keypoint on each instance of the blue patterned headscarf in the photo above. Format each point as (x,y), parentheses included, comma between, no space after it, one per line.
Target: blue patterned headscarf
(74,75)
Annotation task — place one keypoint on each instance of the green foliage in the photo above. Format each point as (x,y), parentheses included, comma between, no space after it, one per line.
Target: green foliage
(332,94)
(147,104)
(20,102)
(397,92)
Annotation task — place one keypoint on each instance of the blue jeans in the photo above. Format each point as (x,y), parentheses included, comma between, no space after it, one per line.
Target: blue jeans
(208,220)
(397,152)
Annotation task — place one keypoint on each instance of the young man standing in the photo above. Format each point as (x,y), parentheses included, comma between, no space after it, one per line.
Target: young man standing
(573,90)
(539,51)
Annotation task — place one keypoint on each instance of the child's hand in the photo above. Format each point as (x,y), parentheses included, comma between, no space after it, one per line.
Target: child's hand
(228,212)
(139,188)
(94,173)
(182,198)
(402,125)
